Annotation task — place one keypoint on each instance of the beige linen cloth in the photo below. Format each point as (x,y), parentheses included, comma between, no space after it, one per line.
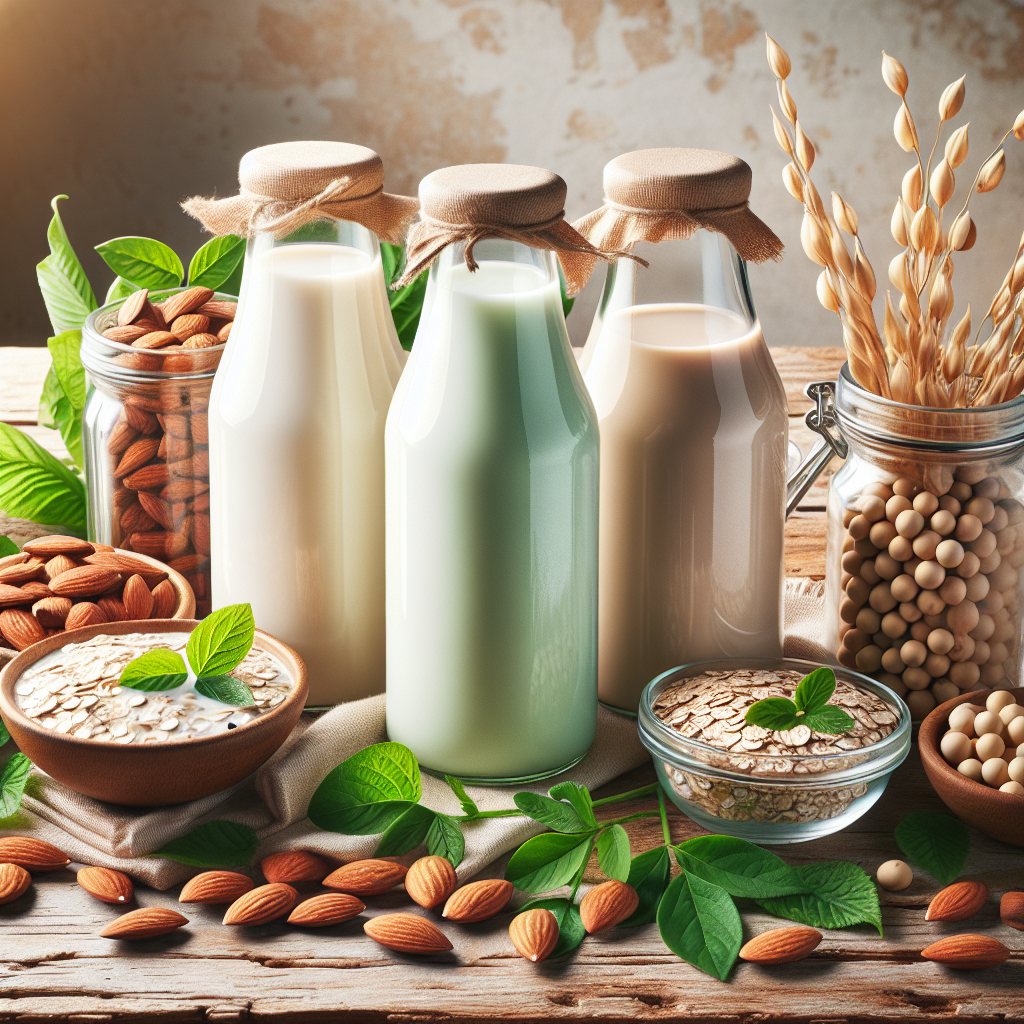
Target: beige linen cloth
(274,800)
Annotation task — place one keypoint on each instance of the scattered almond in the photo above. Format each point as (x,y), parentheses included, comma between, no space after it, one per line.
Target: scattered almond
(20,628)
(966,952)
(14,882)
(365,877)
(534,934)
(261,905)
(407,933)
(478,901)
(326,909)
(430,881)
(957,902)
(294,866)
(607,905)
(781,945)
(1011,910)
(32,854)
(216,887)
(106,884)
(144,923)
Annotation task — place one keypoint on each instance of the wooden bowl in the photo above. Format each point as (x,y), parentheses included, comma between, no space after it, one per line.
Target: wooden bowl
(999,815)
(151,774)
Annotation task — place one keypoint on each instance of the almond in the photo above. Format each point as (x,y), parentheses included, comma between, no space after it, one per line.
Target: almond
(128,566)
(202,340)
(14,882)
(35,590)
(52,611)
(106,884)
(365,877)
(201,533)
(216,887)
(15,575)
(225,332)
(10,596)
(47,547)
(966,952)
(85,581)
(263,904)
(176,424)
(152,313)
(57,565)
(478,901)
(165,600)
(407,933)
(957,902)
(294,866)
(185,302)
(17,558)
(85,613)
(430,881)
(1011,910)
(326,909)
(136,455)
(112,607)
(144,422)
(155,475)
(137,599)
(124,335)
(183,327)
(145,923)
(218,309)
(781,945)
(121,437)
(607,905)
(152,543)
(136,519)
(534,934)
(21,628)
(32,854)
(188,564)
(132,307)
(155,339)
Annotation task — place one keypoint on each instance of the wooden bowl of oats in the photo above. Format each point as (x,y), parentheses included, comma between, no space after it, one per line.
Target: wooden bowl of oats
(61,701)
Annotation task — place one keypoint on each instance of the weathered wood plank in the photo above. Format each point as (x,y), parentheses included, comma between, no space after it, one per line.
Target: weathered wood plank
(798,366)
(22,371)
(805,544)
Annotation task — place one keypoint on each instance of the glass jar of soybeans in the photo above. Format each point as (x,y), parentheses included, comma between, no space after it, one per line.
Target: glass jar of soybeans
(926,545)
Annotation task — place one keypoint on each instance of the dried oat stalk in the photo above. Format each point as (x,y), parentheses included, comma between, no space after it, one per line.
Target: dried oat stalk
(922,356)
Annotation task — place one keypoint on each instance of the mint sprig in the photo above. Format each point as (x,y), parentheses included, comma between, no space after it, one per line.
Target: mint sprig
(809,706)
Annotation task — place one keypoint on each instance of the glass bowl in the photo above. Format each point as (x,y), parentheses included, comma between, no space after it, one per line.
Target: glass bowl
(771,798)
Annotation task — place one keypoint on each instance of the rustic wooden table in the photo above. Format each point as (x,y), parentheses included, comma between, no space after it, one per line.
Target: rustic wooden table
(54,967)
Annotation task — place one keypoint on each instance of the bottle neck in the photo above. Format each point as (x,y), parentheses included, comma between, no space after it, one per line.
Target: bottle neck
(504,268)
(326,231)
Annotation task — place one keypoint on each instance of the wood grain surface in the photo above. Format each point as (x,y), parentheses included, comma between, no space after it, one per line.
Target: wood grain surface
(55,967)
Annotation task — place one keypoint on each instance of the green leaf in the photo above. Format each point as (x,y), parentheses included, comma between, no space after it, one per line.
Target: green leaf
(445,839)
(648,874)
(50,398)
(815,690)
(578,796)
(773,713)
(216,261)
(8,547)
(14,774)
(937,842)
(699,922)
(567,303)
(70,376)
(221,640)
(37,486)
(570,927)
(547,861)
(65,307)
(391,261)
(216,844)
(65,257)
(613,852)
(119,289)
(839,894)
(155,670)
(468,804)
(741,868)
(143,261)
(406,832)
(226,689)
(368,791)
(4,734)
(556,814)
(831,721)
(407,302)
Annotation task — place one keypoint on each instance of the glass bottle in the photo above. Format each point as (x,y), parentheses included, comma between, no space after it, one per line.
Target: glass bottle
(296,424)
(694,432)
(492,503)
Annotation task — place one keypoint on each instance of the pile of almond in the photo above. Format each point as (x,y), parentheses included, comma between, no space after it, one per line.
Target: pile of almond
(158,447)
(59,583)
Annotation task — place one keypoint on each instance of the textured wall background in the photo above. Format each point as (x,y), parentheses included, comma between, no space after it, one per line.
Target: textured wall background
(130,105)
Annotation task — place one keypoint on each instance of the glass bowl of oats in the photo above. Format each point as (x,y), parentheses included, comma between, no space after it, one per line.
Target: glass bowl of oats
(64,707)
(759,784)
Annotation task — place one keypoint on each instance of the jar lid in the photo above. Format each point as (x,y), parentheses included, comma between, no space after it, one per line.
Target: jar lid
(298,171)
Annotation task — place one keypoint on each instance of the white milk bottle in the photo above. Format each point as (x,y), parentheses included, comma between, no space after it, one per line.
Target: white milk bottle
(693,423)
(492,493)
(297,414)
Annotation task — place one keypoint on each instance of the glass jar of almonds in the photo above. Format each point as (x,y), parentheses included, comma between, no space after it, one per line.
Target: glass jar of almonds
(150,359)
(926,545)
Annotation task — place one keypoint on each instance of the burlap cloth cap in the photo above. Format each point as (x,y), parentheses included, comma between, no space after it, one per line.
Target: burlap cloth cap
(653,195)
(288,184)
(470,202)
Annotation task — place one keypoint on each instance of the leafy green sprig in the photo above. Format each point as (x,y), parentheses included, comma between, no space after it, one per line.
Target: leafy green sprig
(809,706)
